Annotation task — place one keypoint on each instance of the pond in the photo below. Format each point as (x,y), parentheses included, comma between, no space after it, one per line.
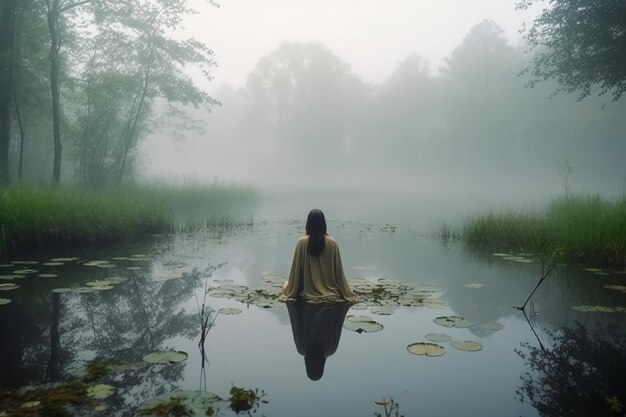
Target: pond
(522,365)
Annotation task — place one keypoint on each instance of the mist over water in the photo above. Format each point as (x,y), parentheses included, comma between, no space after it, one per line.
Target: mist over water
(424,143)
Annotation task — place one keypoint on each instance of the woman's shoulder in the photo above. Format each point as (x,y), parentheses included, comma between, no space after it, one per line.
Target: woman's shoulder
(330,240)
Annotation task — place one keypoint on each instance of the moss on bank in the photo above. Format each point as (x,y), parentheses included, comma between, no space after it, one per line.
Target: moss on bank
(584,228)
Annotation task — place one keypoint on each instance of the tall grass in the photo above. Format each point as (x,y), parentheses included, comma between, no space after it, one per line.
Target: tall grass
(41,216)
(586,228)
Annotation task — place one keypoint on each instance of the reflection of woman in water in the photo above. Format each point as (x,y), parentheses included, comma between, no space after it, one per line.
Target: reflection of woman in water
(316,332)
(316,272)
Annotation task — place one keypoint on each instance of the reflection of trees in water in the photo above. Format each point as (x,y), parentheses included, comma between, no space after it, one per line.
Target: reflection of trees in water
(47,336)
(582,374)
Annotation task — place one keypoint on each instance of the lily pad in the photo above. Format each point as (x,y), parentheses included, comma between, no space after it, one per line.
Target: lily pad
(133,268)
(53,263)
(83,290)
(468,345)
(426,348)
(165,357)
(100,391)
(494,327)
(48,275)
(98,283)
(453,321)
(599,309)
(4,301)
(12,276)
(229,311)
(173,275)
(435,304)
(502,254)
(115,280)
(438,337)
(593,269)
(187,403)
(621,288)
(61,290)
(71,259)
(25,271)
(223,281)
(384,310)
(102,287)
(474,285)
(24,262)
(361,324)
(8,286)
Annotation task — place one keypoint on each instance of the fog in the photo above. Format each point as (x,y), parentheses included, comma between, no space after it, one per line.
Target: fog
(420,99)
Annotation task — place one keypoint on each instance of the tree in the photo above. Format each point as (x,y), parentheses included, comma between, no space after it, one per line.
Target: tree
(581,44)
(7,28)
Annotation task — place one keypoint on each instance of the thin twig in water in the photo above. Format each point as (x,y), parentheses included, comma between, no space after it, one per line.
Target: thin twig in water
(544,274)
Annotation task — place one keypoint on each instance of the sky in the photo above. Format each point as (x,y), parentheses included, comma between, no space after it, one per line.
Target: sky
(370,35)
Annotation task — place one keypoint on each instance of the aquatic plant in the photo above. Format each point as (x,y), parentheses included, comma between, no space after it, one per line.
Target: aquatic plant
(40,216)
(390,408)
(586,229)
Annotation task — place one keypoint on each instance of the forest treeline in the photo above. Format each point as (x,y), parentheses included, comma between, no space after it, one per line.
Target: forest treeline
(79,79)
(305,114)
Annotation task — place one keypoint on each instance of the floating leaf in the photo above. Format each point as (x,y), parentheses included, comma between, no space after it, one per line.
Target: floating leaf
(8,286)
(165,357)
(83,290)
(436,304)
(186,403)
(4,301)
(426,348)
(65,259)
(593,269)
(474,285)
(361,324)
(229,311)
(133,268)
(115,280)
(25,271)
(467,345)
(502,254)
(384,310)
(223,281)
(599,309)
(621,288)
(12,276)
(95,263)
(438,337)
(453,321)
(222,294)
(492,326)
(98,283)
(53,263)
(48,275)
(24,262)
(100,391)
(102,287)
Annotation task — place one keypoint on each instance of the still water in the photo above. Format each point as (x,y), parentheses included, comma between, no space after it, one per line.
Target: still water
(48,337)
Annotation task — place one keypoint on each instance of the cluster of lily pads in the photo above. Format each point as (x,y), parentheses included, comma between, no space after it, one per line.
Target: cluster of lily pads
(433,347)
(386,295)
(265,296)
(26,268)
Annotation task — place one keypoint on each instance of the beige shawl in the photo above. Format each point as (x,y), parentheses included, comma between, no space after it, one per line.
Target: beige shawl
(317,279)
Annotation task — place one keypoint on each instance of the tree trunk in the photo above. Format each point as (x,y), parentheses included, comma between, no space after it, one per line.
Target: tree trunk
(7,27)
(130,133)
(55,47)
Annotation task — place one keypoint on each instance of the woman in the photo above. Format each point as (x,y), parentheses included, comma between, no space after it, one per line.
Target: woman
(316,272)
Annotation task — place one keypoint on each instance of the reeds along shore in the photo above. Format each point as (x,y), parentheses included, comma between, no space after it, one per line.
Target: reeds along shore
(587,229)
(35,217)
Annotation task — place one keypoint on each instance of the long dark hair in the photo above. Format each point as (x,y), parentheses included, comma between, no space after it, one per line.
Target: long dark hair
(316,230)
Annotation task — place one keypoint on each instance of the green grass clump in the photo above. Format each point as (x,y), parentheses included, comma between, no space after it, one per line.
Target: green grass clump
(586,228)
(33,217)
